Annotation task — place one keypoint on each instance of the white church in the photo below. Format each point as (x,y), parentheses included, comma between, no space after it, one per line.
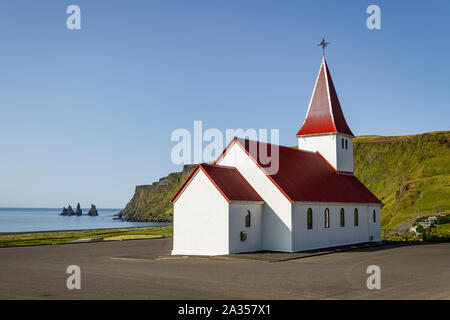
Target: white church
(312,201)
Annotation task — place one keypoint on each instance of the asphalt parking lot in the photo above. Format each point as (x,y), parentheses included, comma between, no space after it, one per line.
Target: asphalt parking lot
(143,269)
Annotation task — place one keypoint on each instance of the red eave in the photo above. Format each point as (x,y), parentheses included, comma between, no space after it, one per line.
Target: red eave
(227,180)
(181,188)
(189,178)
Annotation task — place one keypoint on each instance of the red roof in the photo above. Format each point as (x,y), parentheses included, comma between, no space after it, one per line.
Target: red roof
(324,113)
(307,176)
(230,183)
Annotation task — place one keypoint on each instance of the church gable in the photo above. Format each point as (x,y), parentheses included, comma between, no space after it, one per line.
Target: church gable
(195,186)
(227,180)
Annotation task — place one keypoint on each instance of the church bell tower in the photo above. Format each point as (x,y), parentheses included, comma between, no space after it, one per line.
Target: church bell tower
(325,129)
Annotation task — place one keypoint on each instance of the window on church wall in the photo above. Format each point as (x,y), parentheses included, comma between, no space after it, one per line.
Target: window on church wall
(342,143)
(356,218)
(342,217)
(327,218)
(309,218)
(346,144)
(247,219)
(374,216)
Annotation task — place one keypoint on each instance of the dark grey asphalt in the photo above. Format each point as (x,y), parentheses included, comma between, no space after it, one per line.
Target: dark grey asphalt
(134,270)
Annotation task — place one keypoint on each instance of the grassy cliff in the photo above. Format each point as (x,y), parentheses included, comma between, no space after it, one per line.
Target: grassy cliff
(152,202)
(410,174)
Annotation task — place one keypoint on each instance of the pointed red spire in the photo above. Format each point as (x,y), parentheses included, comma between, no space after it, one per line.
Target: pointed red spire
(324,113)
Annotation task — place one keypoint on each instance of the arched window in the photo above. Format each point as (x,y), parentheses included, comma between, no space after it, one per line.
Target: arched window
(309,218)
(355,216)
(327,218)
(374,216)
(346,143)
(342,217)
(247,219)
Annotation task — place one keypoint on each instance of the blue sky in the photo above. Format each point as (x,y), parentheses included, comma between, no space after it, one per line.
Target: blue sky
(85,115)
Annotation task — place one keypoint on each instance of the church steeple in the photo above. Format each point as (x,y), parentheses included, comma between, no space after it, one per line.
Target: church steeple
(325,129)
(324,113)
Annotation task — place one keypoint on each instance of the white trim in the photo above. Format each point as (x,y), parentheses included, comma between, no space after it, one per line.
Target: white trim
(325,134)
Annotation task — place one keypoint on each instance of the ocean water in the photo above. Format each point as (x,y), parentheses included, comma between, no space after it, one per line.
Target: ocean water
(48,219)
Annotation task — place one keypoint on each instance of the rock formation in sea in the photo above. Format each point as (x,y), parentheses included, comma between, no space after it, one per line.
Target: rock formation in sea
(70,211)
(93,211)
(78,212)
(64,212)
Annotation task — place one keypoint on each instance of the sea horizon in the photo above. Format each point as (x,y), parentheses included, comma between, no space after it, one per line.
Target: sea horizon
(28,219)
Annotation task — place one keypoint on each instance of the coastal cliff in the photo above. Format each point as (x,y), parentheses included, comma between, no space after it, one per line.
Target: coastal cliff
(152,202)
(409,174)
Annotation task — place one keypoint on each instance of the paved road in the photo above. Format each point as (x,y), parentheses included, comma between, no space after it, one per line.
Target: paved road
(403,227)
(132,270)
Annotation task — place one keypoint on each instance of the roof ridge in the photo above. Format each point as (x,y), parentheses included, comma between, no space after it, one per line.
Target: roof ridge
(279,145)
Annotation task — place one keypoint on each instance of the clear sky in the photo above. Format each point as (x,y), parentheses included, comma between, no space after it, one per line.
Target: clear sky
(85,115)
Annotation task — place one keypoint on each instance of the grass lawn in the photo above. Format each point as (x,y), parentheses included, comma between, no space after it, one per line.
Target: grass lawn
(52,238)
(442,229)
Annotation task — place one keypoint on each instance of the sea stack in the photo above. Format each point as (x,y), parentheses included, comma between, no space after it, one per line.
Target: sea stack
(69,211)
(78,212)
(64,212)
(93,211)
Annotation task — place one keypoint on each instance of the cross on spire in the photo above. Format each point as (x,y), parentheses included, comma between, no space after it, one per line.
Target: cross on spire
(323,44)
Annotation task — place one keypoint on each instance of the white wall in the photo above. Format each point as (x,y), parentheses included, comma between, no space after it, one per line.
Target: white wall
(238,211)
(335,235)
(330,147)
(374,228)
(344,156)
(324,143)
(200,219)
(277,211)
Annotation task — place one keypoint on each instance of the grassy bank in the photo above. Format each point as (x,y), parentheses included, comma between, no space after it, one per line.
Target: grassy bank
(52,238)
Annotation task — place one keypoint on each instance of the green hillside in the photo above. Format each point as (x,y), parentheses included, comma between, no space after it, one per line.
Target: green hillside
(409,174)
(152,202)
